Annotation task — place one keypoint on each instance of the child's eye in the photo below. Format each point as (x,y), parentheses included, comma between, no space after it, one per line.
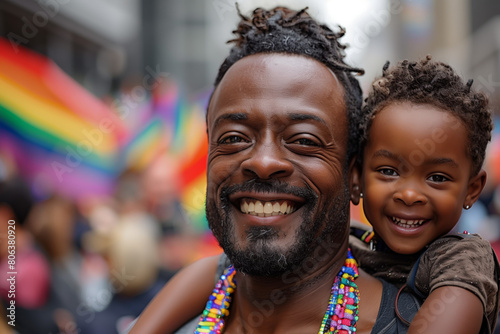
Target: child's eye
(438,178)
(388,172)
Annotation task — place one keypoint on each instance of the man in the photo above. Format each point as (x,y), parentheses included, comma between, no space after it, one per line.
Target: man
(282,134)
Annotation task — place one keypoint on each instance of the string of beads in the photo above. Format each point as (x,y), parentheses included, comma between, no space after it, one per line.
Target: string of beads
(340,318)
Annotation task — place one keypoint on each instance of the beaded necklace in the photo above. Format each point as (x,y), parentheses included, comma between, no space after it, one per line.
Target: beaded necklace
(340,318)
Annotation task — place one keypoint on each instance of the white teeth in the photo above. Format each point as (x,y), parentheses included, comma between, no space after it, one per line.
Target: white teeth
(276,207)
(407,223)
(259,207)
(268,207)
(265,209)
(283,207)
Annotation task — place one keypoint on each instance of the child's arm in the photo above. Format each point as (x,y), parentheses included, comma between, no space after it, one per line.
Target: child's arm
(448,309)
(458,274)
(180,300)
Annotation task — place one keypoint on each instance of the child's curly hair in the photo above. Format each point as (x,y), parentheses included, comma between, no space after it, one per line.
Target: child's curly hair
(437,84)
(282,30)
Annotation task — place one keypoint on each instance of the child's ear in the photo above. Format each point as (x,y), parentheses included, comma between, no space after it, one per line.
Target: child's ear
(355,182)
(476,185)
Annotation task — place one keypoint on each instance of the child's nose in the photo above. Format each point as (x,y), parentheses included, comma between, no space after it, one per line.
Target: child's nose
(409,194)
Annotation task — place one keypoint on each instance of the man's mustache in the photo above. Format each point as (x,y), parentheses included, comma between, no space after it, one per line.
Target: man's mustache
(269,186)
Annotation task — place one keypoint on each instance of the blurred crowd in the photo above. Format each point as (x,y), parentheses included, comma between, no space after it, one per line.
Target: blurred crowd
(91,264)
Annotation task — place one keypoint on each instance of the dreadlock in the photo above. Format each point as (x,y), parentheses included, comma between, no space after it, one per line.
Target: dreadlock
(282,30)
(437,84)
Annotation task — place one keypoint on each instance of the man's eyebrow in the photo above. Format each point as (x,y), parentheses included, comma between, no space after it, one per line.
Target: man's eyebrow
(238,116)
(304,117)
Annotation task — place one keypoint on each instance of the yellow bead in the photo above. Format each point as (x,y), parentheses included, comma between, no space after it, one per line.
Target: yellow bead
(206,323)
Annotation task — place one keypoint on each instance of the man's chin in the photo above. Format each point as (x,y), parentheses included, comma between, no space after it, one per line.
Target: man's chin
(264,258)
(260,264)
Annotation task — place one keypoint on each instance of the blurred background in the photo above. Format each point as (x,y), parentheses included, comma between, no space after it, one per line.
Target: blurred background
(103,145)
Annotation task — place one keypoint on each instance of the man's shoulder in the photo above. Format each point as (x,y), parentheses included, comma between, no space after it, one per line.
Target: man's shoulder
(188,327)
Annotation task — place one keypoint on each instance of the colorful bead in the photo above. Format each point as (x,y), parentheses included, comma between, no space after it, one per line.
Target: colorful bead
(218,304)
(344,315)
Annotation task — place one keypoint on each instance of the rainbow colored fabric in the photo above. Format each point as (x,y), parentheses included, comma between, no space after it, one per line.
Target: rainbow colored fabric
(60,135)
(65,140)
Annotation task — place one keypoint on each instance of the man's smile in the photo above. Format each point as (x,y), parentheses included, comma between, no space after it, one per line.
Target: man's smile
(266,208)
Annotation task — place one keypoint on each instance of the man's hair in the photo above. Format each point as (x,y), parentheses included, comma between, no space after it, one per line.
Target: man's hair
(282,30)
(434,83)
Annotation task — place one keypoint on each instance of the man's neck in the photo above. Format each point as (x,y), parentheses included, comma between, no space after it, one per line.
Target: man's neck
(294,302)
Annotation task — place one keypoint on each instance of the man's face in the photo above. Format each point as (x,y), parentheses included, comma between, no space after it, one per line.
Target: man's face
(277,167)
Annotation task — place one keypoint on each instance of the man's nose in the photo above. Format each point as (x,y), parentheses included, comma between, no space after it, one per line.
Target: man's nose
(409,193)
(268,160)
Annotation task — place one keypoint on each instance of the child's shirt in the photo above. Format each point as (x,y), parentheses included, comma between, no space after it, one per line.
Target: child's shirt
(468,262)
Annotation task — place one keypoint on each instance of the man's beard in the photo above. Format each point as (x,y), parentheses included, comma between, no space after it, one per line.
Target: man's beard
(260,257)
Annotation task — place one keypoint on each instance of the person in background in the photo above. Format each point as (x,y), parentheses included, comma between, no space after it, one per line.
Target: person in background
(34,305)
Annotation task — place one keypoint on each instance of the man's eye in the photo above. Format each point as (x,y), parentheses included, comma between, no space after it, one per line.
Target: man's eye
(388,172)
(438,178)
(231,140)
(305,142)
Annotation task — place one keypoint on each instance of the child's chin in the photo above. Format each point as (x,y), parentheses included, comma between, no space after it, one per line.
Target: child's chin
(406,248)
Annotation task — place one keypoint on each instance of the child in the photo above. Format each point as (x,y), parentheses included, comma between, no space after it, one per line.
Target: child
(424,136)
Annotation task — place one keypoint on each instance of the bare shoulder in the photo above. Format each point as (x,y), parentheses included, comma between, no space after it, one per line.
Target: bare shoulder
(370,291)
(182,298)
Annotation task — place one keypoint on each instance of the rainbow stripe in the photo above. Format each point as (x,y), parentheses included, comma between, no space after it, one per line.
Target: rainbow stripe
(59,134)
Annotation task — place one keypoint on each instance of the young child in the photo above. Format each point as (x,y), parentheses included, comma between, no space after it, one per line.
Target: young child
(424,136)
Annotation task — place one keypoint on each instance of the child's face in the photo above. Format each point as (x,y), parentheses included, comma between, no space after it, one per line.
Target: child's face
(416,174)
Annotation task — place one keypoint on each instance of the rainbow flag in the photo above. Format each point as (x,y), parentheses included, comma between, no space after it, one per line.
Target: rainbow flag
(61,137)
(176,129)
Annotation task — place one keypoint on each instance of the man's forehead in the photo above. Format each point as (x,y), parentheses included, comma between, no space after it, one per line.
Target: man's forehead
(280,69)
(266,61)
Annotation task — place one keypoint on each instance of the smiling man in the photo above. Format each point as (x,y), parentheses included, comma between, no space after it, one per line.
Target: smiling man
(277,191)
(278,138)
(282,131)
(277,162)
